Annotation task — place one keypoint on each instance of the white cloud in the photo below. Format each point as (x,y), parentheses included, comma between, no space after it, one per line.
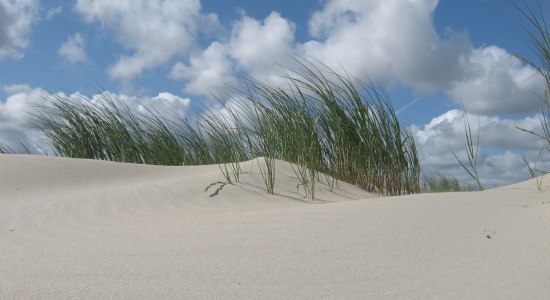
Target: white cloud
(15,109)
(497,83)
(167,105)
(16,128)
(16,18)
(73,49)
(16,122)
(253,47)
(501,146)
(383,39)
(397,39)
(375,40)
(257,46)
(155,31)
(208,72)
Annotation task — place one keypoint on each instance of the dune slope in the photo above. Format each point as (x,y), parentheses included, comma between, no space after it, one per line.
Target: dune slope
(72,228)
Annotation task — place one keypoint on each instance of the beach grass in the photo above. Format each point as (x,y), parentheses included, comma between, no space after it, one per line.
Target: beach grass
(323,122)
(4,149)
(109,130)
(441,183)
(472,150)
(319,120)
(539,39)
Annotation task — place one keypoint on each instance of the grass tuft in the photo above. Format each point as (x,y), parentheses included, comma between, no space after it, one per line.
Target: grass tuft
(540,45)
(471,151)
(5,149)
(109,130)
(443,184)
(320,120)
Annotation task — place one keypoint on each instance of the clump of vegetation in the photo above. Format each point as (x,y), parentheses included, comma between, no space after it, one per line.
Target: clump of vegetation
(109,130)
(326,122)
(444,183)
(320,121)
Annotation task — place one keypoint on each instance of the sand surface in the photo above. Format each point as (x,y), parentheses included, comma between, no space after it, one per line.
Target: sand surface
(72,228)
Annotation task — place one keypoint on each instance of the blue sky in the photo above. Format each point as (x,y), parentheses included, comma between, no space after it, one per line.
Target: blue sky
(430,56)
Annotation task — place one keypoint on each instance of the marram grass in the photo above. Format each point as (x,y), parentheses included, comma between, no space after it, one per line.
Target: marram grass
(320,120)
(539,38)
(4,149)
(444,183)
(109,130)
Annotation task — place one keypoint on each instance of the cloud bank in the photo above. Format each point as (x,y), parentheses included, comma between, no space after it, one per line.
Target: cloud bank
(154,31)
(501,146)
(378,40)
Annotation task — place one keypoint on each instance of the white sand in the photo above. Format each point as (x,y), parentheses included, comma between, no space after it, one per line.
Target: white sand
(89,229)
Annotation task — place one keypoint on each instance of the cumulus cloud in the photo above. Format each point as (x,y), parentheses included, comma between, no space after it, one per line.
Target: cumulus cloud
(256,46)
(253,47)
(73,49)
(385,39)
(167,105)
(17,128)
(497,83)
(397,39)
(16,18)
(14,110)
(375,40)
(155,31)
(207,72)
(501,146)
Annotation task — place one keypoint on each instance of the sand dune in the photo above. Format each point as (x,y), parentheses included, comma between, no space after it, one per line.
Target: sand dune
(72,228)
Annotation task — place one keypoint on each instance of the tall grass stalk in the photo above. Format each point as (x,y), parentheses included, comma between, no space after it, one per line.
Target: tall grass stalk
(471,151)
(227,149)
(536,173)
(267,170)
(5,149)
(540,45)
